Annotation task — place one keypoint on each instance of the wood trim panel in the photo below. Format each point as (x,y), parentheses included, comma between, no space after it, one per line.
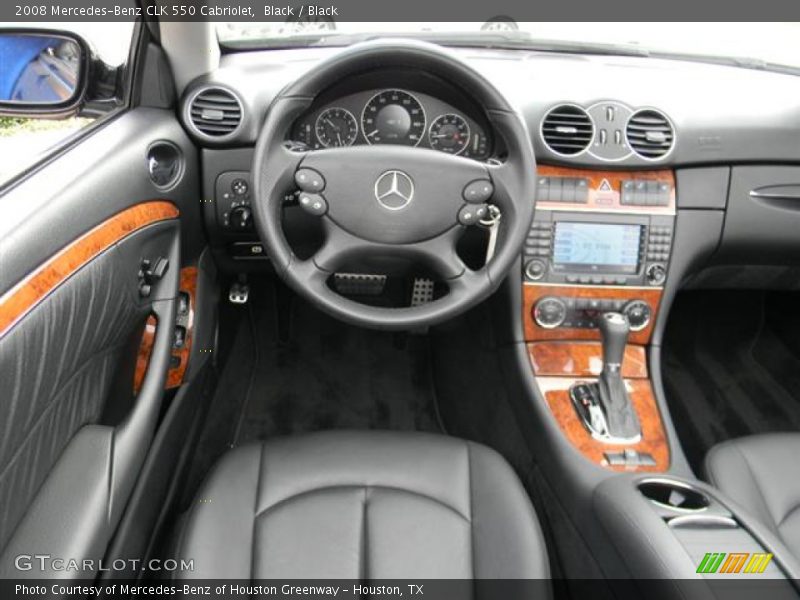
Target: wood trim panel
(654,438)
(29,292)
(532,293)
(607,201)
(582,359)
(180,356)
(145,350)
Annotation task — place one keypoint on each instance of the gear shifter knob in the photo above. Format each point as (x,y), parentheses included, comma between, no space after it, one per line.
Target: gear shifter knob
(614,328)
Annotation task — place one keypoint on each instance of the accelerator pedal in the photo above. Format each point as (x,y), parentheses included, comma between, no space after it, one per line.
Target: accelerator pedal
(422,293)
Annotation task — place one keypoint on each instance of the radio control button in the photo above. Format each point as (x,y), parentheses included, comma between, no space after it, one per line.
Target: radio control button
(656,274)
(535,269)
(478,191)
(309,180)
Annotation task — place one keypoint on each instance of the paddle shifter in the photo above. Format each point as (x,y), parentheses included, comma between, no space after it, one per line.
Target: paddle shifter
(605,406)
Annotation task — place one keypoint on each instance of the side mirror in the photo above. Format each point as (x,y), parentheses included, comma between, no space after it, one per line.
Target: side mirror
(42,73)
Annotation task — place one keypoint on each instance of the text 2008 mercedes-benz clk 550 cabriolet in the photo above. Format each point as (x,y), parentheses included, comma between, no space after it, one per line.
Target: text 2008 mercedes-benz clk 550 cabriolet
(462,301)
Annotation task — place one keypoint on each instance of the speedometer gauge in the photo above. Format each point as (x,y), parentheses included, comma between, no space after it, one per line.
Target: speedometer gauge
(393,117)
(336,127)
(449,133)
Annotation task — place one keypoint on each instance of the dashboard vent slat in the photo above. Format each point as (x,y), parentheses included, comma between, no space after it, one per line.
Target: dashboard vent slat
(215,112)
(567,129)
(650,134)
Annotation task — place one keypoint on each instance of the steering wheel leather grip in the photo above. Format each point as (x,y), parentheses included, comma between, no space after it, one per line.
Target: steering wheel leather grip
(391,200)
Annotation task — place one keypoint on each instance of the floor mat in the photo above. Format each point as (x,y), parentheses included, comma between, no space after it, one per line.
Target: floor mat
(329,375)
(731,366)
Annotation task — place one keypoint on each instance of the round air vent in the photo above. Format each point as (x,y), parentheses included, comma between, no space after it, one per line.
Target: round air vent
(567,129)
(214,112)
(650,134)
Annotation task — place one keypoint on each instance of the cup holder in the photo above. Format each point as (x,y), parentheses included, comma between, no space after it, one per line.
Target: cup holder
(674,495)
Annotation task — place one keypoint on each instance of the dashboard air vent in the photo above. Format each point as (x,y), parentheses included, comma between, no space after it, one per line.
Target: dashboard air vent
(650,134)
(567,129)
(215,112)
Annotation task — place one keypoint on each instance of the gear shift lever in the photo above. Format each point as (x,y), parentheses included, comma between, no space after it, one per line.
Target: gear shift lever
(614,328)
(605,406)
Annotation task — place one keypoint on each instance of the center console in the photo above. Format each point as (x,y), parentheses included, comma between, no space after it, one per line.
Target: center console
(599,246)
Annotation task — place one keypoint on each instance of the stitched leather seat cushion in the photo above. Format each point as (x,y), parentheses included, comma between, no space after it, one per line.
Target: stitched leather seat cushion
(363,505)
(761,473)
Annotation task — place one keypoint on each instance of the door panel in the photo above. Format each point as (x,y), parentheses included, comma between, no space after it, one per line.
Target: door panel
(73,292)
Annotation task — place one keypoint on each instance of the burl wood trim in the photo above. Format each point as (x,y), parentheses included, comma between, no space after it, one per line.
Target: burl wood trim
(145,350)
(582,359)
(654,438)
(175,375)
(608,201)
(532,293)
(23,297)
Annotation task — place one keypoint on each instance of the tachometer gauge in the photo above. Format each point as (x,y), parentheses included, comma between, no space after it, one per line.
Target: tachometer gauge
(449,133)
(393,117)
(336,127)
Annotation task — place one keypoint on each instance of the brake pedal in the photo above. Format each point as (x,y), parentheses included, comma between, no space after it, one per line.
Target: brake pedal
(239,293)
(422,293)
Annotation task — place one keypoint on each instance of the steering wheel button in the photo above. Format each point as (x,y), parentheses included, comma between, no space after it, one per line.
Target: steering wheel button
(478,191)
(471,214)
(308,180)
(313,204)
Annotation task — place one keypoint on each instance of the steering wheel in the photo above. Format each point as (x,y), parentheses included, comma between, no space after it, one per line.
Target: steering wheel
(389,200)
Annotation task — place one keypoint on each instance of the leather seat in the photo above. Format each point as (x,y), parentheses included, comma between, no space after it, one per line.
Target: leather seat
(759,473)
(363,505)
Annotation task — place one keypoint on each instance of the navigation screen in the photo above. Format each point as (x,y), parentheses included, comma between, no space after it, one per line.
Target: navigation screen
(596,247)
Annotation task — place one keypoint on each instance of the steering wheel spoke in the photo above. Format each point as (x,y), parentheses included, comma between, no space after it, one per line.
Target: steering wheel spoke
(505,180)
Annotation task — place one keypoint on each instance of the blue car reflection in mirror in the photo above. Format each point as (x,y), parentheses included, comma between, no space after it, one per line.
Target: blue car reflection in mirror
(38,69)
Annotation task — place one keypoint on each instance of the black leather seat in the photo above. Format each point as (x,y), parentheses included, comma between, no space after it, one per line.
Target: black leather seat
(363,505)
(759,473)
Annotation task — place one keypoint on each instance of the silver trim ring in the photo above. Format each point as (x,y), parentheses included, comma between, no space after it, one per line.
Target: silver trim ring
(671,126)
(547,114)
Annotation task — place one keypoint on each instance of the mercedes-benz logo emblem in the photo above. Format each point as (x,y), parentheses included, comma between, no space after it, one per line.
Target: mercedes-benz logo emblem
(394,190)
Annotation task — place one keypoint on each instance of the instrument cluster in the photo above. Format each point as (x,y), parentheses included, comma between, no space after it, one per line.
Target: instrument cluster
(393,116)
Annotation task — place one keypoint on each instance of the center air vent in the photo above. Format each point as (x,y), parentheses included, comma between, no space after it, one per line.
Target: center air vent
(215,112)
(650,134)
(567,129)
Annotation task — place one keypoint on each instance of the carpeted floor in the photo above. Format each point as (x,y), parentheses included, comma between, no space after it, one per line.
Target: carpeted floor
(731,366)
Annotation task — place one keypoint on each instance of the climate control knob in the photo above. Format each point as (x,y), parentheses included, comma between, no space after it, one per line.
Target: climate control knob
(638,313)
(550,312)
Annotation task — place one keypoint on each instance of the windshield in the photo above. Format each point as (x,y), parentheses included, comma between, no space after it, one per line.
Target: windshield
(750,43)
